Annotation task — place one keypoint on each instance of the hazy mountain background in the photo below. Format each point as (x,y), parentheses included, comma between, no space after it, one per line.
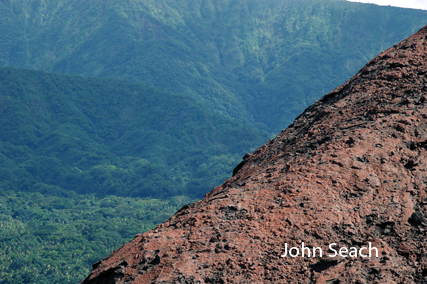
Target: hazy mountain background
(261,62)
(106,105)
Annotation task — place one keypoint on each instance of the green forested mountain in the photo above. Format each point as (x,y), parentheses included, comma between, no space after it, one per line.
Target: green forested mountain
(76,156)
(261,62)
(103,137)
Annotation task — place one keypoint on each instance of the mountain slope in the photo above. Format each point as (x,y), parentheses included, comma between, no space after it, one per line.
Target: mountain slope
(349,172)
(104,136)
(261,62)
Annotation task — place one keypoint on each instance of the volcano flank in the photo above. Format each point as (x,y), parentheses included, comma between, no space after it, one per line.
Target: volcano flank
(350,171)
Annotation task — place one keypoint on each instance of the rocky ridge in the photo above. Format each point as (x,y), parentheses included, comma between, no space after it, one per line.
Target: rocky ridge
(351,170)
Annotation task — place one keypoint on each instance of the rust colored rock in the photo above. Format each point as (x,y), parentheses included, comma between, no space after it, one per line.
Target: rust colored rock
(351,170)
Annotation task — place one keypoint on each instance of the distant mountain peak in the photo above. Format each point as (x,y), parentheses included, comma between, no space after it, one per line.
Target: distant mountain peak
(349,173)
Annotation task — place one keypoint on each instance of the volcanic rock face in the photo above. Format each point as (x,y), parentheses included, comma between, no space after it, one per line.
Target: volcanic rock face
(351,170)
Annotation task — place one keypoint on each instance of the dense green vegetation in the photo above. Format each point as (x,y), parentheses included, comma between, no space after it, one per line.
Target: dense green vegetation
(46,239)
(111,137)
(261,62)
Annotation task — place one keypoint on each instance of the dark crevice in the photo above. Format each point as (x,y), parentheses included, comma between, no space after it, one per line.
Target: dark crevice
(323,264)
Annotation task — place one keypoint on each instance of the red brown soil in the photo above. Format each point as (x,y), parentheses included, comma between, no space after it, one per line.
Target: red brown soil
(352,169)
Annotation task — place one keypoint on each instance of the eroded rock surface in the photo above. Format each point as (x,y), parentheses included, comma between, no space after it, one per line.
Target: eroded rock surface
(352,169)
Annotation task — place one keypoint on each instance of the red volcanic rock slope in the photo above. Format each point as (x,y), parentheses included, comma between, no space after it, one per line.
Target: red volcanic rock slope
(350,171)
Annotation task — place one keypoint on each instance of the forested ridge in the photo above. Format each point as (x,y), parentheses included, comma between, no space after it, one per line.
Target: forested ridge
(145,105)
(112,137)
(82,159)
(260,62)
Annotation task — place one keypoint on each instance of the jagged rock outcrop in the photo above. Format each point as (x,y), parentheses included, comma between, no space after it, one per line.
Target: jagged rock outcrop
(351,170)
